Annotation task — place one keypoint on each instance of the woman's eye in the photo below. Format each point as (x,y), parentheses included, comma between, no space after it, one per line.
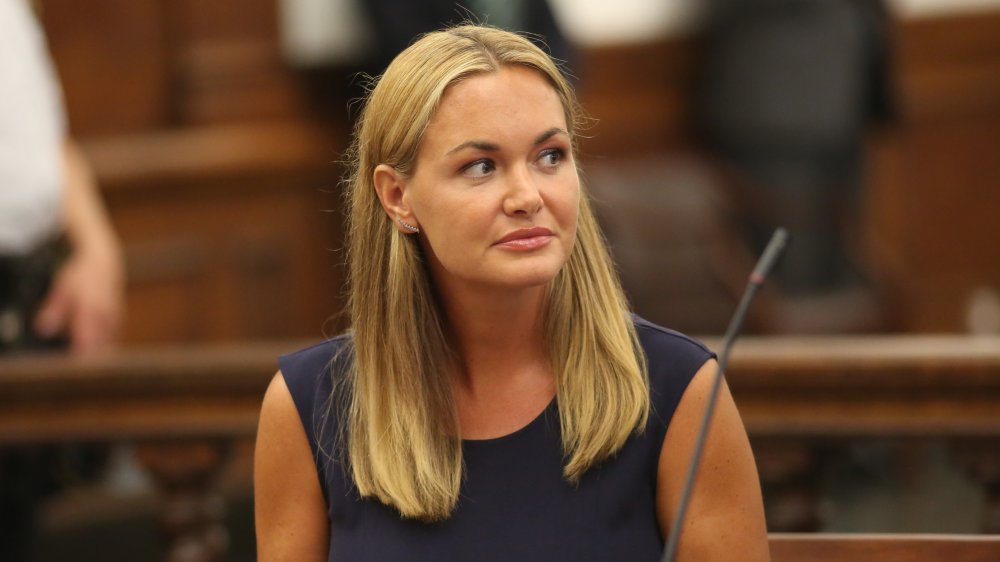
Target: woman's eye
(478,169)
(551,157)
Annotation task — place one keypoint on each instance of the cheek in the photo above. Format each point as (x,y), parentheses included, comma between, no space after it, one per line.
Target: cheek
(567,205)
(455,229)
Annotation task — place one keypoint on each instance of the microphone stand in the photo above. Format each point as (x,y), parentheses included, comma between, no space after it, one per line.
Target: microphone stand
(767,260)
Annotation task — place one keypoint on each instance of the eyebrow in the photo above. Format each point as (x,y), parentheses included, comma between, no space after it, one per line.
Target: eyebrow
(549,134)
(493,147)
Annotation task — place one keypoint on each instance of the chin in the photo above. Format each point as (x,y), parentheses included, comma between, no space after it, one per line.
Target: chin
(531,282)
(528,277)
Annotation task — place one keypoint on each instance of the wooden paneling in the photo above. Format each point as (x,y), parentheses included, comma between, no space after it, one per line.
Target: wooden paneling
(948,67)
(219,180)
(228,64)
(227,230)
(114,62)
(935,178)
(136,65)
(640,96)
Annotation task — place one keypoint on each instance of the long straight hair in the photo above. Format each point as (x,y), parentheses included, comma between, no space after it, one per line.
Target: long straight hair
(400,422)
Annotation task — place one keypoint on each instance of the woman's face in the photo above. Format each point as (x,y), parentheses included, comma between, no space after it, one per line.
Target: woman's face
(495,190)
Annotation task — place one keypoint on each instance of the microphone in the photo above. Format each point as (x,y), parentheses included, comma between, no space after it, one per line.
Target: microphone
(772,252)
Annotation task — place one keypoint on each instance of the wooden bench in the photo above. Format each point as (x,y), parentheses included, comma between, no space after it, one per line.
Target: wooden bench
(826,547)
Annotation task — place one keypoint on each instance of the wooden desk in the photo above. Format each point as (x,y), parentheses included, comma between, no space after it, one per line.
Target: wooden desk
(185,404)
(829,547)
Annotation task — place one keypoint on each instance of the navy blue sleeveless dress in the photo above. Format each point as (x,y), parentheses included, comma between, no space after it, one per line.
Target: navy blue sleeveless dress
(514,503)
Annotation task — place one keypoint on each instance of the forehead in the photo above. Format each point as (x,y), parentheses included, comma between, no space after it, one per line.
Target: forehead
(496,106)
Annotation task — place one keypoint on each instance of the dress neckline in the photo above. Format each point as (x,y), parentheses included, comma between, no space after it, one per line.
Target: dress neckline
(551,407)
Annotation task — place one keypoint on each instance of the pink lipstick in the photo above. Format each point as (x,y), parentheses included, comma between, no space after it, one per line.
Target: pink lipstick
(525,239)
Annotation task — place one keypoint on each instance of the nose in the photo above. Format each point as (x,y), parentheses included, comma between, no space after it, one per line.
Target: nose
(522,196)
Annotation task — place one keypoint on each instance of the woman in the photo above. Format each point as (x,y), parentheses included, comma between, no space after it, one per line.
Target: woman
(494,399)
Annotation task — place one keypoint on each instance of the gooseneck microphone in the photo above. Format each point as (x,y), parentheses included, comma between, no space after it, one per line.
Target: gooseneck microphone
(767,260)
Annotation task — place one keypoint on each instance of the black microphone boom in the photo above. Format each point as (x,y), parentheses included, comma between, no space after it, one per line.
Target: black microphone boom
(767,260)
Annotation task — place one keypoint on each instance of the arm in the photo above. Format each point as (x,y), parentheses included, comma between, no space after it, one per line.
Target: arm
(289,507)
(725,519)
(86,299)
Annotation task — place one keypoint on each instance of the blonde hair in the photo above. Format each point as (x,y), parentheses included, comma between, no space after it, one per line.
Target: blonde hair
(400,422)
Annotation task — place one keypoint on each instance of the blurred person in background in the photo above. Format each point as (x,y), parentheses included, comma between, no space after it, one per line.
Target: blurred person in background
(397,23)
(789,89)
(49,201)
(61,266)
(394,24)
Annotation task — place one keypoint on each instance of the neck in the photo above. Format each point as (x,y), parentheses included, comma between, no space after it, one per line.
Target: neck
(497,333)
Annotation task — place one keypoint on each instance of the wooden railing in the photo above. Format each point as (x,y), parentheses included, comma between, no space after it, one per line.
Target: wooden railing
(185,406)
(823,547)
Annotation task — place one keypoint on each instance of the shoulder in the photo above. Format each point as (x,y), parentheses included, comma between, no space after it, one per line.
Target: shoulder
(310,367)
(673,359)
(668,349)
(318,356)
(290,507)
(311,375)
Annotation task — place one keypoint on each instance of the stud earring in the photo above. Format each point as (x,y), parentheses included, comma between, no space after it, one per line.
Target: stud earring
(407,226)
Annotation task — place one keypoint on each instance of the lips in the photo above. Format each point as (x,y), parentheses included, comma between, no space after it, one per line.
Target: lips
(524,233)
(525,238)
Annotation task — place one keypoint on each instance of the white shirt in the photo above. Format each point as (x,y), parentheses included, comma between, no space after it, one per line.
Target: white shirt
(32,129)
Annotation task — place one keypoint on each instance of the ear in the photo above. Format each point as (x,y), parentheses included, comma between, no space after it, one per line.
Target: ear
(390,187)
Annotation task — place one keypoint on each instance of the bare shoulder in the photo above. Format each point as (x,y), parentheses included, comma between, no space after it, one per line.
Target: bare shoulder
(725,519)
(278,406)
(289,506)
